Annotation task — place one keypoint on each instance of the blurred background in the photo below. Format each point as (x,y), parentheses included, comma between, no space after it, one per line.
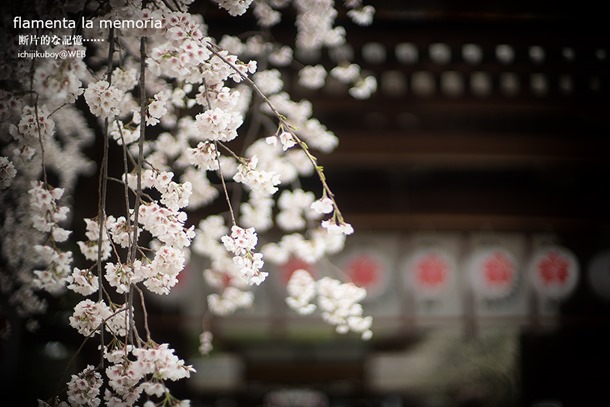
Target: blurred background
(476,180)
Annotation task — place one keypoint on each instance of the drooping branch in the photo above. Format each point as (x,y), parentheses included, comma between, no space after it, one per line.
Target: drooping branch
(286,126)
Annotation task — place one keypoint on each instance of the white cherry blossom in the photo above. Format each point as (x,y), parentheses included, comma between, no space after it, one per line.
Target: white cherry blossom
(84,388)
(240,241)
(362,16)
(7,172)
(323,205)
(312,76)
(103,99)
(173,122)
(88,316)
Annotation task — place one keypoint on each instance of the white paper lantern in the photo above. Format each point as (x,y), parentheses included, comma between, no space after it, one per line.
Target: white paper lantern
(554,271)
(368,269)
(599,274)
(493,272)
(429,272)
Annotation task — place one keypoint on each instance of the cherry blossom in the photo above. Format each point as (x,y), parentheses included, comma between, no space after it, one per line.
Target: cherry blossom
(157,108)
(257,212)
(83,282)
(234,7)
(346,73)
(57,269)
(338,302)
(103,98)
(301,291)
(205,342)
(88,316)
(185,120)
(230,300)
(323,205)
(90,248)
(240,241)
(269,82)
(312,77)
(84,388)
(257,180)
(7,172)
(218,124)
(34,124)
(335,227)
(204,156)
(363,88)
(363,15)
(293,206)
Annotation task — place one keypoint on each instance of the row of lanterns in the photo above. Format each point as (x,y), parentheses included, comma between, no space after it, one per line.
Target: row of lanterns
(493,273)
(436,273)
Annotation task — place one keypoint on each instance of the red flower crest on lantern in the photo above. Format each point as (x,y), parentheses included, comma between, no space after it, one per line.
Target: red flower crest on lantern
(368,270)
(494,272)
(363,270)
(429,273)
(554,272)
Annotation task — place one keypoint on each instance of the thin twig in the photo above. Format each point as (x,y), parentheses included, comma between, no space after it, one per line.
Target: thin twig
(288,127)
(146,329)
(138,200)
(102,191)
(126,187)
(224,187)
(39,130)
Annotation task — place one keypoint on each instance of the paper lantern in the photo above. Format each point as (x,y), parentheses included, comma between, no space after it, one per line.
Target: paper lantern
(367,269)
(554,271)
(429,272)
(599,274)
(493,273)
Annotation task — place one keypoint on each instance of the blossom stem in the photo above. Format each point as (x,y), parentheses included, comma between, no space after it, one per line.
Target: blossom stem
(39,130)
(283,122)
(145,314)
(138,199)
(224,187)
(102,187)
(126,187)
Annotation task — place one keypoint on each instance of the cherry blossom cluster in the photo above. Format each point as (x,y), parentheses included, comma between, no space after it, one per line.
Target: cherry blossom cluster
(235,8)
(301,292)
(315,23)
(46,212)
(312,247)
(35,124)
(205,342)
(241,243)
(88,316)
(183,51)
(338,302)
(165,225)
(84,388)
(58,80)
(135,371)
(170,105)
(94,246)
(340,306)
(46,215)
(103,98)
(224,273)
(7,172)
(257,180)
